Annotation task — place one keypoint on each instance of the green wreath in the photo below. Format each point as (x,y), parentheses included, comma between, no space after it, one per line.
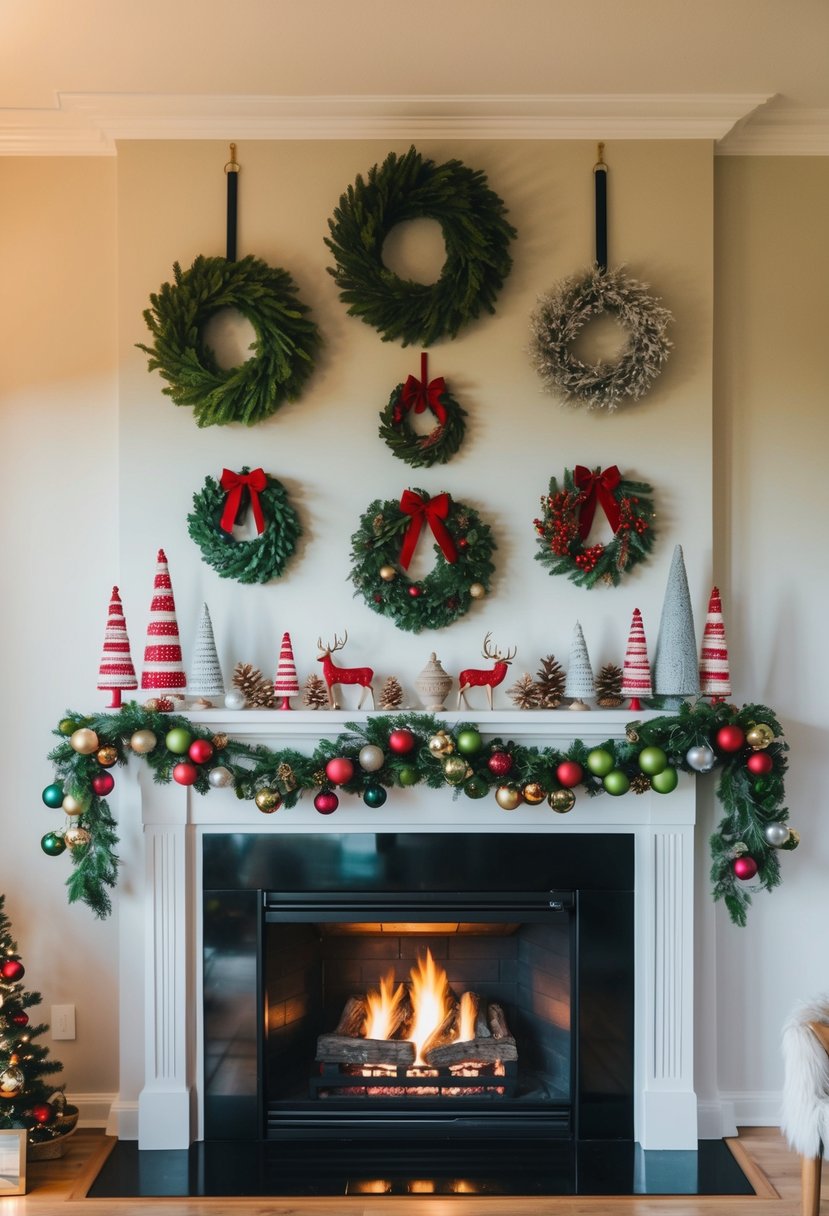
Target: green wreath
(283,353)
(382,546)
(576,301)
(475,233)
(219,504)
(567,514)
(442,442)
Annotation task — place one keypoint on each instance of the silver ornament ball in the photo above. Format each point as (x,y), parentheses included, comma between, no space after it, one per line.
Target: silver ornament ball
(701,758)
(220,777)
(776,835)
(371,758)
(234,699)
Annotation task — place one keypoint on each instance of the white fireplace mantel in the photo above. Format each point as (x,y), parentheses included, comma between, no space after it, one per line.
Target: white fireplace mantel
(159,895)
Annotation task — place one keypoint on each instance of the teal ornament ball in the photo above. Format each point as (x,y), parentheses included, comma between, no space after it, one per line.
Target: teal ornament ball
(652,760)
(53,795)
(374,795)
(665,781)
(53,844)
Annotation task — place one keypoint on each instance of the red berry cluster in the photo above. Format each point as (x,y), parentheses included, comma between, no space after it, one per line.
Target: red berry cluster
(562,527)
(628,518)
(586,560)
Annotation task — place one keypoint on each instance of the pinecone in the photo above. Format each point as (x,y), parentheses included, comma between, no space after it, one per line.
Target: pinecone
(391,694)
(287,776)
(258,692)
(609,687)
(550,677)
(525,693)
(315,693)
(640,784)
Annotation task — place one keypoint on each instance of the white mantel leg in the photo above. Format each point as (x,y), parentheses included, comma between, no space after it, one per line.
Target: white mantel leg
(666,1104)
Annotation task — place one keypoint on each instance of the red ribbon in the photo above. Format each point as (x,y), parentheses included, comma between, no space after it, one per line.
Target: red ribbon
(434,511)
(423,393)
(233,484)
(597,488)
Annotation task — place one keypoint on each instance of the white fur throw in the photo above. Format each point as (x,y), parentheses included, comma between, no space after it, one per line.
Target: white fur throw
(805,1111)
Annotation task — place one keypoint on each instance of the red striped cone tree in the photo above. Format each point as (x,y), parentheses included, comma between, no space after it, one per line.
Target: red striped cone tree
(285,685)
(714,672)
(636,672)
(116,671)
(163,667)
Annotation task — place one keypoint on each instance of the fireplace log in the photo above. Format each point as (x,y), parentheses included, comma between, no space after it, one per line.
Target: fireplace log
(498,1022)
(352,1017)
(345,1049)
(472,1051)
(444,1033)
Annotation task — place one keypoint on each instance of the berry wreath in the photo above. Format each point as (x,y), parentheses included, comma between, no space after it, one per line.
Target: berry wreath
(382,548)
(217,506)
(283,353)
(567,515)
(475,233)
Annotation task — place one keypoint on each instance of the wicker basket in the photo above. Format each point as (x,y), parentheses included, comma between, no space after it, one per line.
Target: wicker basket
(50,1150)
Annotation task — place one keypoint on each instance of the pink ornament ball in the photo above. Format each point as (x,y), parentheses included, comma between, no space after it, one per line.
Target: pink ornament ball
(104,783)
(569,774)
(326,802)
(402,741)
(744,867)
(339,771)
(185,773)
(200,751)
(730,738)
(760,764)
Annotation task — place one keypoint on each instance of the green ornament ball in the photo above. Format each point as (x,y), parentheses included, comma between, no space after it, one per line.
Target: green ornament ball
(600,761)
(178,740)
(374,795)
(53,844)
(475,787)
(652,760)
(469,742)
(408,775)
(53,795)
(67,726)
(615,782)
(665,781)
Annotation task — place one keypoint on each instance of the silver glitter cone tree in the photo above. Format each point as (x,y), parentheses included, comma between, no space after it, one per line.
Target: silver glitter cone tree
(675,664)
(205,679)
(580,682)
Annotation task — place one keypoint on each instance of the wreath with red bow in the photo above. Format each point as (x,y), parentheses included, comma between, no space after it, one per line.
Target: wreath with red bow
(385,542)
(567,514)
(219,506)
(416,396)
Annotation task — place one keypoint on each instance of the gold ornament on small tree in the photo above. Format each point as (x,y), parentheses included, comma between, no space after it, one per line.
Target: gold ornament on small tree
(391,694)
(609,687)
(315,693)
(525,693)
(550,679)
(257,691)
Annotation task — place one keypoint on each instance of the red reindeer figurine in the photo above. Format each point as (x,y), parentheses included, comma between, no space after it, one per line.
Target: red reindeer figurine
(474,678)
(342,675)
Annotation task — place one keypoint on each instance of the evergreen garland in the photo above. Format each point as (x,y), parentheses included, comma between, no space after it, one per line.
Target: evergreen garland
(283,353)
(248,561)
(422,451)
(750,803)
(475,233)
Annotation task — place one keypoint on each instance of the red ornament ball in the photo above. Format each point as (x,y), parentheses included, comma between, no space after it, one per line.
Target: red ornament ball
(402,741)
(569,774)
(759,763)
(104,783)
(185,773)
(339,770)
(415,591)
(499,763)
(326,802)
(730,738)
(20,1019)
(12,970)
(200,751)
(43,1112)
(744,867)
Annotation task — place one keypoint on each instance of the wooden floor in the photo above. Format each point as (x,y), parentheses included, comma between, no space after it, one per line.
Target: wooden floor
(60,1187)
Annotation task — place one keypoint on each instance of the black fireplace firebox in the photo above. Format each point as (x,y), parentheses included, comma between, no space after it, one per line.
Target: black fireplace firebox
(298,928)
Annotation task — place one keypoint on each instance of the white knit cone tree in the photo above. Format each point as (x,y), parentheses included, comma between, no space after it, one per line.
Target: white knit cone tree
(714,671)
(163,667)
(205,678)
(636,671)
(116,671)
(285,684)
(580,682)
(675,664)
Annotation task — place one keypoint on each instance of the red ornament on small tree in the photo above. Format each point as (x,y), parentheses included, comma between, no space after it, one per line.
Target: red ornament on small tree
(12,970)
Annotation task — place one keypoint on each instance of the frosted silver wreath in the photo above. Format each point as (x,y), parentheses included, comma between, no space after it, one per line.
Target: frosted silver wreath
(563,313)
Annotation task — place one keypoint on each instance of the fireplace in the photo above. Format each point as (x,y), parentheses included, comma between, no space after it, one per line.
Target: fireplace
(300,930)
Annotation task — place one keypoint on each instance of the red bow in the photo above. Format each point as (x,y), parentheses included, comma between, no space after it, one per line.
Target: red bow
(233,484)
(597,487)
(434,511)
(423,393)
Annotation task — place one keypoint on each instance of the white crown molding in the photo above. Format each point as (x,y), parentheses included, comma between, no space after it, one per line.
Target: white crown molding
(90,124)
(783,131)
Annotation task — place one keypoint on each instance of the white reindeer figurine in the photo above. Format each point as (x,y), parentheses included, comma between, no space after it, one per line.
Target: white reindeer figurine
(335,675)
(475,678)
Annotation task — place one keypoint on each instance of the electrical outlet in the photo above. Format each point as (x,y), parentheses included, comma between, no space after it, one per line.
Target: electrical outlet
(63,1021)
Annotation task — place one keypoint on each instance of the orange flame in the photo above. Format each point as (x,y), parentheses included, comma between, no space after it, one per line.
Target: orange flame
(466,1018)
(381,1008)
(430,1001)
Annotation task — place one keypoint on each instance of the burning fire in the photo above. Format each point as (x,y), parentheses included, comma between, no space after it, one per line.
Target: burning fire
(382,1008)
(431,1003)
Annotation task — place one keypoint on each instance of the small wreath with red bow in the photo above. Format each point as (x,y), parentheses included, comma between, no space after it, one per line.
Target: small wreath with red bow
(384,544)
(567,514)
(218,506)
(443,441)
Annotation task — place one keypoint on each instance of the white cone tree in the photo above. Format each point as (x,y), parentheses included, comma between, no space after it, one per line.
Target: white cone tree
(205,677)
(580,682)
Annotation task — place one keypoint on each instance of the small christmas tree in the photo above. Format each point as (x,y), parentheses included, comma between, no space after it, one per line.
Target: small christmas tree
(550,680)
(525,693)
(636,677)
(27,1099)
(116,671)
(285,685)
(205,672)
(675,665)
(609,686)
(391,694)
(257,691)
(163,667)
(714,672)
(579,683)
(315,693)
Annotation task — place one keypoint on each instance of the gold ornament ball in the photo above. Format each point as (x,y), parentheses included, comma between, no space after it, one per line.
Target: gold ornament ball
(454,769)
(107,756)
(562,801)
(268,801)
(75,806)
(143,741)
(508,797)
(388,573)
(441,745)
(760,736)
(84,741)
(533,793)
(477,591)
(75,837)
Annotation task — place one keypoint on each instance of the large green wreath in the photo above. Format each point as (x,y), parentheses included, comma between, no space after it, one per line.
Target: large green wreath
(448,591)
(475,233)
(566,515)
(283,353)
(563,313)
(247,561)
